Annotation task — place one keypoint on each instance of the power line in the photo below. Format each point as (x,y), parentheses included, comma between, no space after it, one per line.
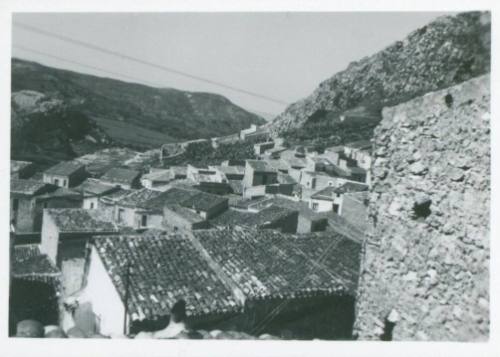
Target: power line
(93,47)
(48,55)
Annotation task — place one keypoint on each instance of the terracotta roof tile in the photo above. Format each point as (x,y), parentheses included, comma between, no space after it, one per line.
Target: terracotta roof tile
(262,218)
(93,187)
(163,269)
(80,220)
(64,168)
(27,187)
(120,175)
(265,263)
(28,261)
(260,166)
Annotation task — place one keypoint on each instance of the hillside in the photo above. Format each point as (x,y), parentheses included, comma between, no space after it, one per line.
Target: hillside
(127,114)
(448,51)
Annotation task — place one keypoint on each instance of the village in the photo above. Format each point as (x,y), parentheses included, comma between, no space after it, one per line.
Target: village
(262,247)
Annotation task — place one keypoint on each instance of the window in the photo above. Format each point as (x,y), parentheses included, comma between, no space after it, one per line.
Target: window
(91,205)
(15,204)
(330,183)
(121,213)
(45,204)
(144,220)
(64,183)
(315,206)
(56,182)
(313,183)
(335,208)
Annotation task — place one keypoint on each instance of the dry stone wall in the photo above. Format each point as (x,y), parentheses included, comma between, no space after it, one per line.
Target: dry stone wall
(425,270)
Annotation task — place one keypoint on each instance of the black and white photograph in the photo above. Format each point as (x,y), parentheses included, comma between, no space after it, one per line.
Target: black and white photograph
(294,176)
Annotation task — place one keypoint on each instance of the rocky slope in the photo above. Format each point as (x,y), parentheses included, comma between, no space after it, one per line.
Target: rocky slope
(449,50)
(130,114)
(425,270)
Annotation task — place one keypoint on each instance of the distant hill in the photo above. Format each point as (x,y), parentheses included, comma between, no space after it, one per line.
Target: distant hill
(348,105)
(118,113)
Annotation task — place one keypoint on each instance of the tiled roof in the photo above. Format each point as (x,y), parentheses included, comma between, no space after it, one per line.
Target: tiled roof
(143,198)
(115,196)
(230,170)
(61,192)
(120,175)
(160,175)
(351,187)
(64,168)
(93,187)
(260,166)
(79,220)
(202,201)
(266,216)
(265,263)
(329,192)
(244,203)
(325,194)
(163,269)
(16,165)
(360,144)
(29,262)
(27,187)
(185,213)
(299,206)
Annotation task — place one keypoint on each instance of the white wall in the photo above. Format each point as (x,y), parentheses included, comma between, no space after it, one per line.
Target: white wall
(89,200)
(50,238)
(105,301)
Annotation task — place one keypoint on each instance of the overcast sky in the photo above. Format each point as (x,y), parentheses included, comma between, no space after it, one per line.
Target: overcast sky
(278,55)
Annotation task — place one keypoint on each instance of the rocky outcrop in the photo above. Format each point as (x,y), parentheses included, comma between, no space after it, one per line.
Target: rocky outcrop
(448,51)
(425,270)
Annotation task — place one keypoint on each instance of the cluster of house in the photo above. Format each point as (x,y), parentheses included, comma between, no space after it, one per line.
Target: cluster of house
(234,240)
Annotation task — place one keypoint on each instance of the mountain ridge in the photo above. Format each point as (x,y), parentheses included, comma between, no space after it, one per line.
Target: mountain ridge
(129,114)
(447,51)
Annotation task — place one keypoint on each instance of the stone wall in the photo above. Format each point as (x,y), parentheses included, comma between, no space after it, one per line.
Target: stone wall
(425,270)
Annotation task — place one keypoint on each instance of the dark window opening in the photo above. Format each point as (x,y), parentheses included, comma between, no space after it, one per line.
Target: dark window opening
(144,220)
(388,329)
(91,205)
(335,208)
(448,99)
(422,208)
(121,212)
(15,204)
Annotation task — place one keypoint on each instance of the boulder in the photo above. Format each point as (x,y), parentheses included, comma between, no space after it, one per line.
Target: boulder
(52,331)
(30,328)
(76,332)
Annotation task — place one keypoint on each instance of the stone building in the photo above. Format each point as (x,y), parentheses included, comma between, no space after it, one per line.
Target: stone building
(34,287)
(258,173)
(92,189)
(65,174)
(65,233)
(122,177)
(23,206)
(425,270)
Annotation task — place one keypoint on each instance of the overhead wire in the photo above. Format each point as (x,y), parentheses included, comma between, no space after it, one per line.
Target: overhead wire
(157,66)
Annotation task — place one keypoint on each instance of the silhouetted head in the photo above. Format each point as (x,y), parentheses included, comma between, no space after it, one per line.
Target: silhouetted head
(178,311)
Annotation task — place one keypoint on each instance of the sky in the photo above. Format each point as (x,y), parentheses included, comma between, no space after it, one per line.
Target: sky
(283,56)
